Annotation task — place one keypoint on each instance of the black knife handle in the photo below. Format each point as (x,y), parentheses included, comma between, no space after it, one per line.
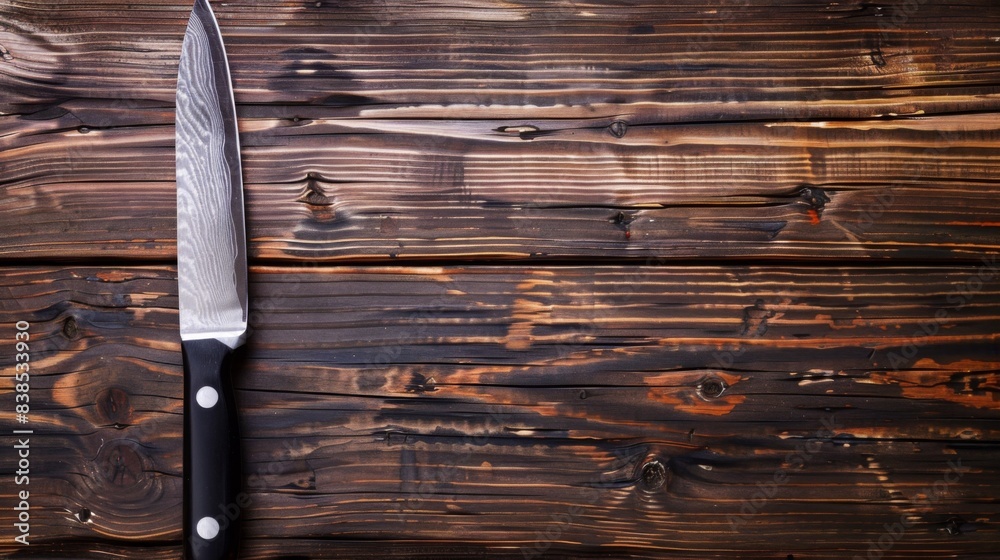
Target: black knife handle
(213,502)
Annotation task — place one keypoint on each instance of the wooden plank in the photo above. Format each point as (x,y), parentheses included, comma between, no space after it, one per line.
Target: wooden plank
(332,189)
(696,412)
(474,130)
(594,411)
(688,60)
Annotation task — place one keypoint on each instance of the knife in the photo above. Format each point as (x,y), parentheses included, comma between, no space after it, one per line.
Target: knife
(212,287)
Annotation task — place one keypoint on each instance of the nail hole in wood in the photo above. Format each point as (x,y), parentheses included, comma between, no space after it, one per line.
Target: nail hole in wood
(83,515)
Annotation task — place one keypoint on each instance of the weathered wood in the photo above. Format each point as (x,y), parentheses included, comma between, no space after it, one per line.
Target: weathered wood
(636,411)
(528,129)
(688,60)
(520,412)
(368,189)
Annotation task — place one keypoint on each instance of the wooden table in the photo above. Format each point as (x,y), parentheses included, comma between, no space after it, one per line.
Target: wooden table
(568,279)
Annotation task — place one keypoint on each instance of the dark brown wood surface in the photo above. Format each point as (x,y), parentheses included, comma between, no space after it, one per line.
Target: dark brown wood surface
(692,280)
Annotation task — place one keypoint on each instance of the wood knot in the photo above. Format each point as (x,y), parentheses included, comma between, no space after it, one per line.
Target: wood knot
(317,200)
(623,221)
(877,57)
(755,319)
(420,384)
(114,407)
(121,465)
(814,196)
(70,329)
(958,526)
(121,478)
(618,129)
(815,199)
(712,388)
(5,54)
(653,475)
(313,194)
(305,482)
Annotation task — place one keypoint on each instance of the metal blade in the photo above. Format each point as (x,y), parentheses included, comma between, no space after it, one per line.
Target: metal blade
(211,235)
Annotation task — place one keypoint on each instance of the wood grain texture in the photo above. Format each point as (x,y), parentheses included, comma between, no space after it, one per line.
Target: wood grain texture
(632,411)
(558,130)
(760,321)
(686,60)
(356,189)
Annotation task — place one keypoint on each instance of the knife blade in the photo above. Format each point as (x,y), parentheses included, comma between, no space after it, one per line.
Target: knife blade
(212,286)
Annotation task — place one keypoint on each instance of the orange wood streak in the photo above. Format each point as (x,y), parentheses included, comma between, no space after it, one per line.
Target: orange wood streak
(978,390)
(680,391)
